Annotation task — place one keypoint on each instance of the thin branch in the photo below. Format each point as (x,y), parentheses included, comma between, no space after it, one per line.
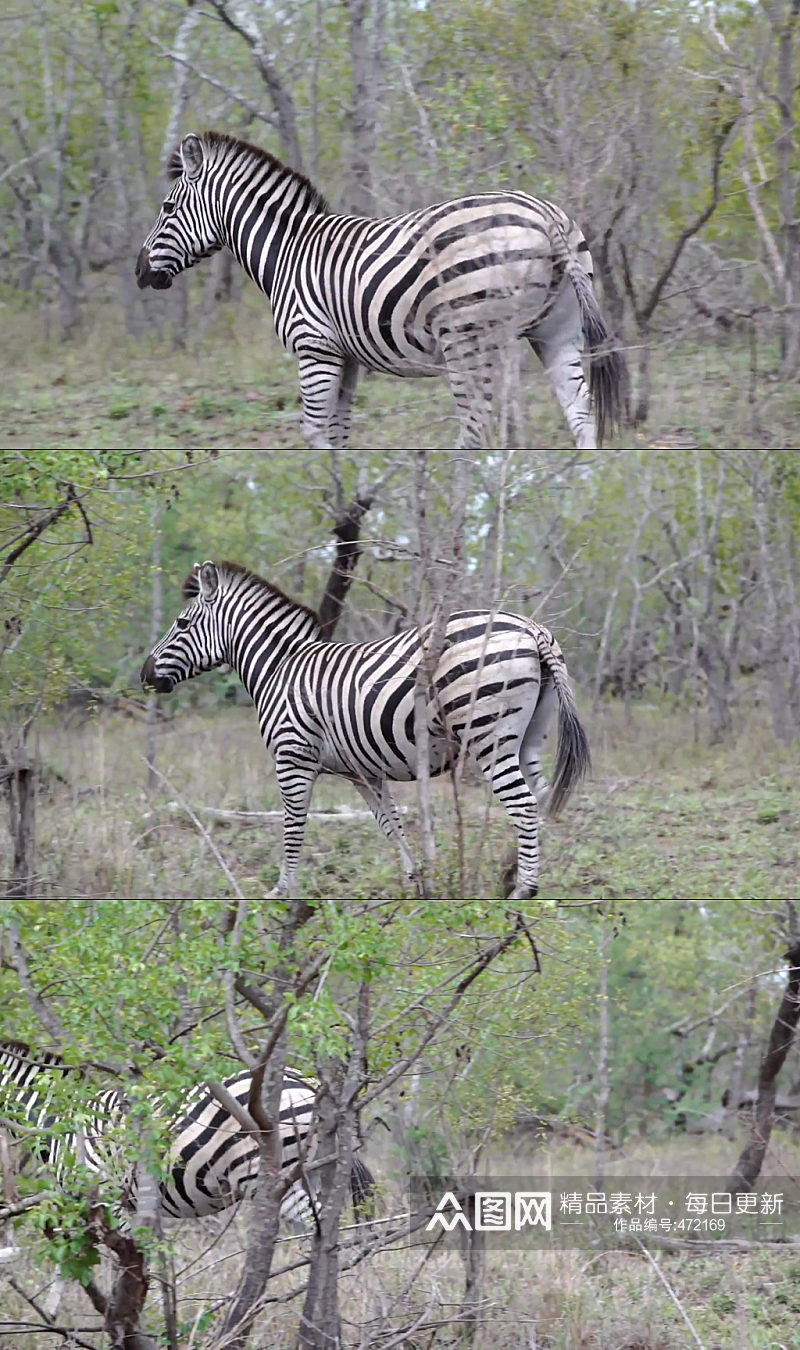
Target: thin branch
(19,959)
(672,1294)
(233,883)
(66,1333)
(44,522)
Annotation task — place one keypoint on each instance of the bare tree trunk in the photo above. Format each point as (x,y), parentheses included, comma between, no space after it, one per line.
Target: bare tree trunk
(155,634)
(181,92)
(473,1252)
(421,737)
(123,1308)
(115,73)
(773,645)
(645,307)
(443,580)
(366,47)
(319,1321)
(603,1085)
(337,1122)
(737,1068)
(712,657)
(347,529)
(641,408)
(10,1191)
(239,16)
(262,1116)
(786,154)
(780,1042)
(17,773)
(263,1219)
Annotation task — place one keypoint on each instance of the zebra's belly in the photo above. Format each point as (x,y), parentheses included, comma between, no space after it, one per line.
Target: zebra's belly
(397,763)
(404,356)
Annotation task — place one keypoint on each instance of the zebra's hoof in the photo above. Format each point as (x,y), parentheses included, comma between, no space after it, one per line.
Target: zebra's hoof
(523,892)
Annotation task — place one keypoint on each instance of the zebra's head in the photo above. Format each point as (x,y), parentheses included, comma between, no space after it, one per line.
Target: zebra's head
(187,229)
(196,641)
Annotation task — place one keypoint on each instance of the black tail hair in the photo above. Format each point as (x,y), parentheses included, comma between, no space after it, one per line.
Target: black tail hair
(608,371)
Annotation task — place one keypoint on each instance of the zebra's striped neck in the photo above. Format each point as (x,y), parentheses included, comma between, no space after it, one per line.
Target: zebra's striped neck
(264,626)
(260,201)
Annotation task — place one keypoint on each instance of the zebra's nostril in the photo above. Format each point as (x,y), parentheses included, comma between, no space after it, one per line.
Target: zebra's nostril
(150,680)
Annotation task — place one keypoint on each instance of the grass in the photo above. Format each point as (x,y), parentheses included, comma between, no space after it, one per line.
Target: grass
(694,822)
(573,1299)
(237,387)
(697,821)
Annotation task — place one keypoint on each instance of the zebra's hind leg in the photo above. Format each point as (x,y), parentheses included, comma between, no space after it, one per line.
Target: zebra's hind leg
(500,765)
(562,361)
(470,375)
(298,1211)
(533,740)
(384,808)
(340,420)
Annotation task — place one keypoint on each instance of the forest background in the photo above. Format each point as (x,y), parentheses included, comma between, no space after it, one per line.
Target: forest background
(666,565)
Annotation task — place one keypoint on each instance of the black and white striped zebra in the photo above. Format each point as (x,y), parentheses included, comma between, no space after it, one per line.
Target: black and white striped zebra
(348,709)
(212,1161)
(444,290)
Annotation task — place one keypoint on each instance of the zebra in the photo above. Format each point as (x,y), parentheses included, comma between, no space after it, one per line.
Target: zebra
(443,290)
(348,708)
(212,1162)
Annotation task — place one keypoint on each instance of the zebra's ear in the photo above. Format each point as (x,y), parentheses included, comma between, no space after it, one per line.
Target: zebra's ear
(209,580)
(191,586)
(192,155)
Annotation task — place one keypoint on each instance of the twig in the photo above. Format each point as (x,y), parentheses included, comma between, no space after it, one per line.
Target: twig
(66,1333)
(19,959)
(672,1294)
(347,813)
(202,829)
(26,1203)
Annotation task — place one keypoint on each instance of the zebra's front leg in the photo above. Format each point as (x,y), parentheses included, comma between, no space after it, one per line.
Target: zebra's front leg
(384,808)
(340,421)
(321,375)
(296,778)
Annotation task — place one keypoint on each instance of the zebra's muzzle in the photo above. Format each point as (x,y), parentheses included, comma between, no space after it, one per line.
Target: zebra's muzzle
(161,683)
(146,276)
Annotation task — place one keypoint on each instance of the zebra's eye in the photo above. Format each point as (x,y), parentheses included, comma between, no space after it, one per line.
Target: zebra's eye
(169,208)
(182,623)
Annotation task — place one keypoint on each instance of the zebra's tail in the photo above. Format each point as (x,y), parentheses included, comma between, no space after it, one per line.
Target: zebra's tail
(608,371)
(573,757)
(362,1189)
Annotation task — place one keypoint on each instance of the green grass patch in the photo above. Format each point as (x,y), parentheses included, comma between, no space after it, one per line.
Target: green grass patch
(235,386)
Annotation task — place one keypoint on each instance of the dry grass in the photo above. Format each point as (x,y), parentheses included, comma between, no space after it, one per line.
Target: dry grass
(663,817)
(562,1300)
(237,386)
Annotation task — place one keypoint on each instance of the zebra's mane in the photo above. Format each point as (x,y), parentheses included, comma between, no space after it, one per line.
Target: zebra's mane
(222,145)
(191,586)
(28,1054)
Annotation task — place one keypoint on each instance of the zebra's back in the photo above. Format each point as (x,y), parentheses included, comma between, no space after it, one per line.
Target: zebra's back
(214,1160)
(355,701)
(392,294)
